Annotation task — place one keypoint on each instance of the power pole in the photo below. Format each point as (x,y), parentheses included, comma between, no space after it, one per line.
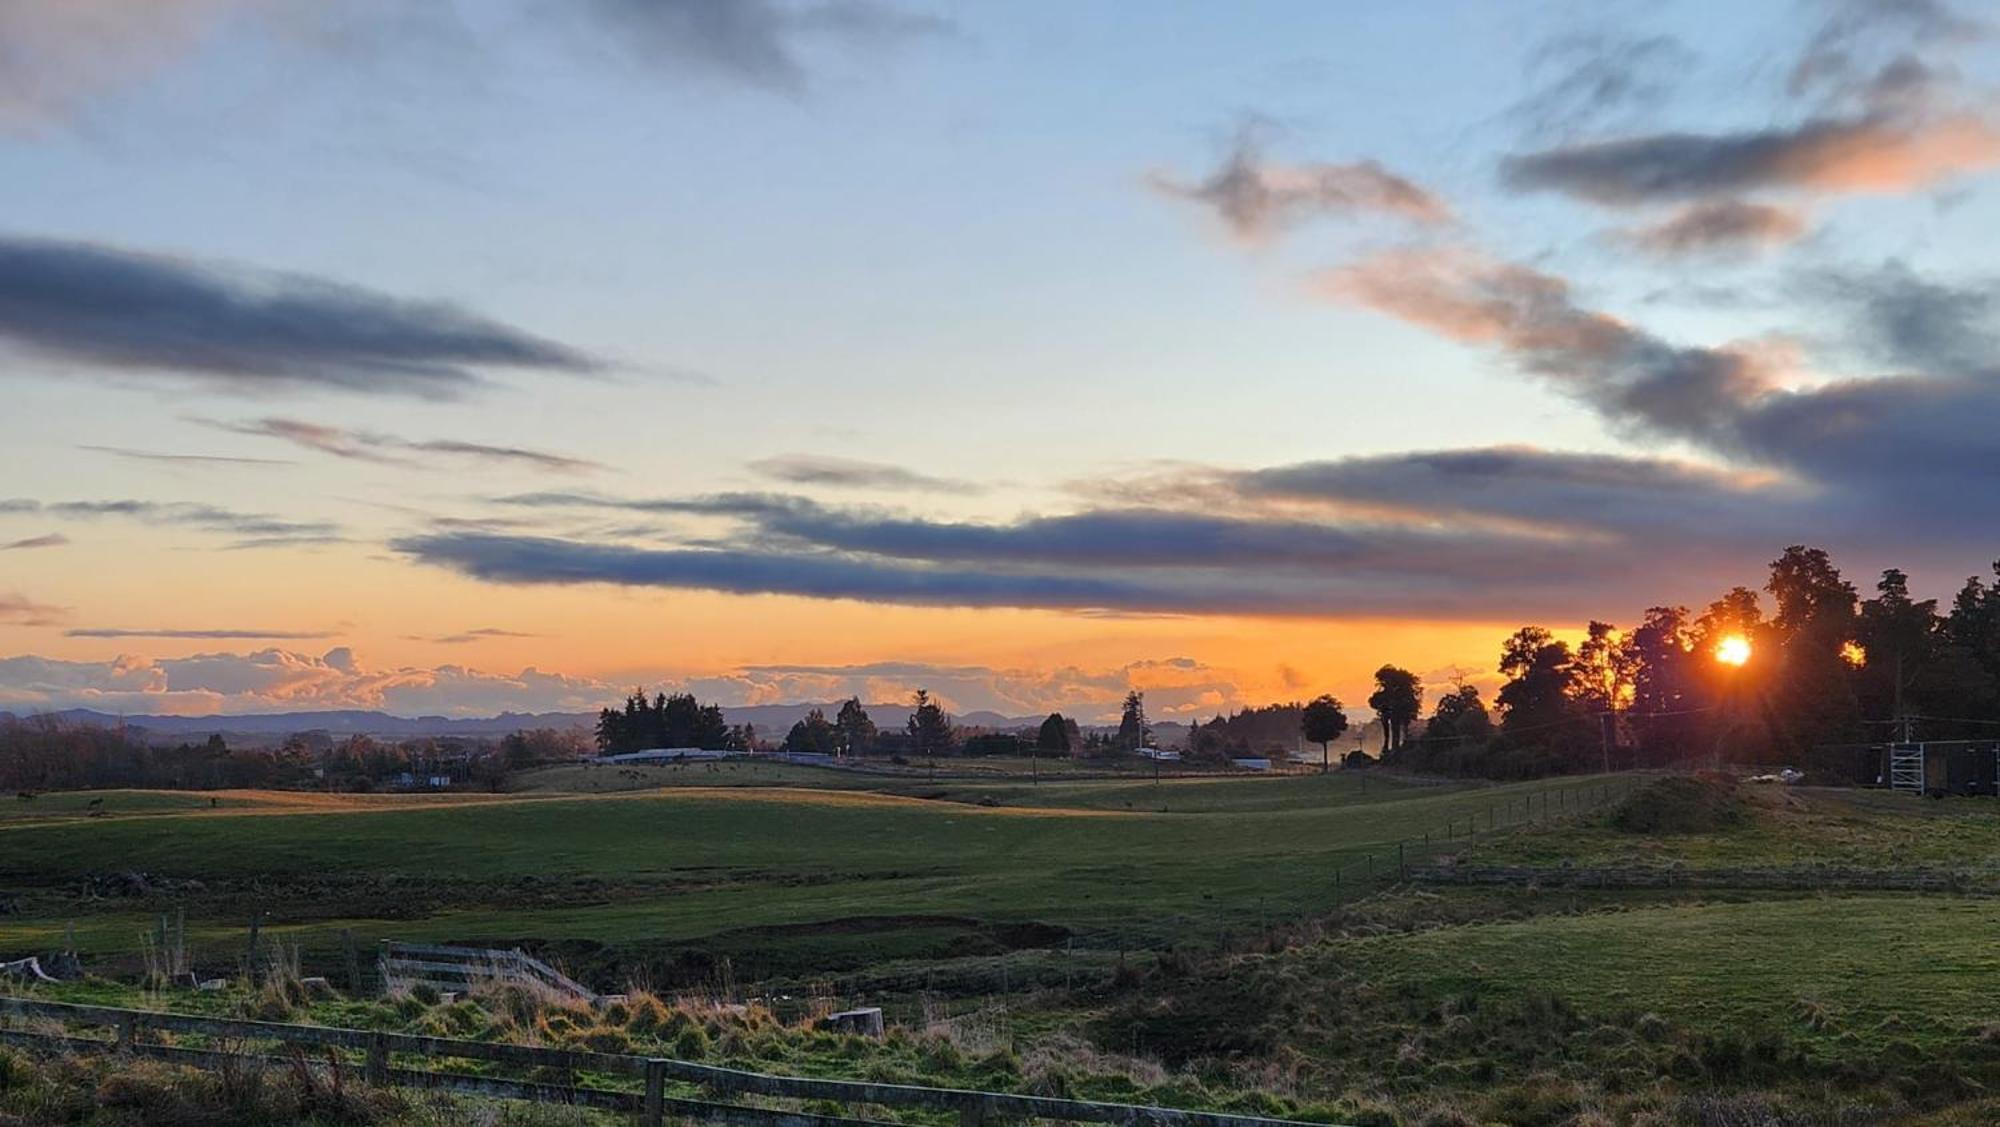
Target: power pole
(1606,721)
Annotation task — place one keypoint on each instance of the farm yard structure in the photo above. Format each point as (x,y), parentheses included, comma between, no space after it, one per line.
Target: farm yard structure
(1932,767)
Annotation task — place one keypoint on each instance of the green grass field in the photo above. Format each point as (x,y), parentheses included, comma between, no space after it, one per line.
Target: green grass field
(907,888)
(1851,971)
(1783,827)
(1111,862)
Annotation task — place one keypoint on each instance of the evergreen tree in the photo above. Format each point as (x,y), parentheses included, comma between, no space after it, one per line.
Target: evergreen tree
(929,728)
(1133,731)
(855,732)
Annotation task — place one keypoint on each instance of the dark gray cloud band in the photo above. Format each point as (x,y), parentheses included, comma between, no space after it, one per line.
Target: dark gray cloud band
(1865,154)
(104,309)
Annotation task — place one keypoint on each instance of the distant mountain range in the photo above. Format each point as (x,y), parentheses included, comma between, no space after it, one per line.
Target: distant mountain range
(772,721)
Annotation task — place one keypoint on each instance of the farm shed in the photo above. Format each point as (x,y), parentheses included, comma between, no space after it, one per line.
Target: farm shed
(1934,767)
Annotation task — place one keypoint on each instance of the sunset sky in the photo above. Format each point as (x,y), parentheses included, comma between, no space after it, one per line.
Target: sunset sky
(458,357)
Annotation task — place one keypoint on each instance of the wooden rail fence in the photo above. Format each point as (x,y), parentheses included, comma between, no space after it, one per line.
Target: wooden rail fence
(377,1054)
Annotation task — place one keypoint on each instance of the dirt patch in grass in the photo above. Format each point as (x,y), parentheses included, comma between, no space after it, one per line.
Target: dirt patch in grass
(1681,804)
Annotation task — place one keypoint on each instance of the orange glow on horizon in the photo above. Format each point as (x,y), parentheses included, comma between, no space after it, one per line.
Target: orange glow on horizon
(1733,650)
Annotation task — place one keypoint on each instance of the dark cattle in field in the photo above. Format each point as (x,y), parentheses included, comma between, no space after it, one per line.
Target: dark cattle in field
(25,795)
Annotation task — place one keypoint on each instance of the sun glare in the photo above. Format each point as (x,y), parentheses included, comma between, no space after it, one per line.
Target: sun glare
(1733,650)
(1853,654)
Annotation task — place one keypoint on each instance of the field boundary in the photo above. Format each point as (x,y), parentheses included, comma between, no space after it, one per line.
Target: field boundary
(338,1048)
(1401,859)
(1795,878)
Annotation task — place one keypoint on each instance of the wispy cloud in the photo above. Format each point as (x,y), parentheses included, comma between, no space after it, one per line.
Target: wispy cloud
(183,459)
(1718,227)
(850,473)
(59,56)
(51,540)
(107,309)
(1581,79)
(179,514)
(467,637)
(374,446)
(19,610)
(758,42)
(1256,199)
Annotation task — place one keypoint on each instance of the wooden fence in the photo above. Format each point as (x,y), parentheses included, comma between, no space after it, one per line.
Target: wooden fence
(647,1078)
(462,968)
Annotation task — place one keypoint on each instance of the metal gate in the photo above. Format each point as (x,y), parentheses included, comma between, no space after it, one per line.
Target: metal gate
(1906,768)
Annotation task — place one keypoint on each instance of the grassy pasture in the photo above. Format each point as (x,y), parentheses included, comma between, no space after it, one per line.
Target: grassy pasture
(1782,827)
(1114,862)
(1848,974)
(1524,1005)
(1003,782)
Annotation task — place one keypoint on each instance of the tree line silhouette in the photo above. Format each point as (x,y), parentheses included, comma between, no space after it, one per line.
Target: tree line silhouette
(1742,681)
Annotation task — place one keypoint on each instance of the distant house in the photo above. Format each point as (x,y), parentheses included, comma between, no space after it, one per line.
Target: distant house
(663,755)
(1253,764)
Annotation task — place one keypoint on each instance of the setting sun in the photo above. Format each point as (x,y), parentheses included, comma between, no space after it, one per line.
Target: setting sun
(1733,650)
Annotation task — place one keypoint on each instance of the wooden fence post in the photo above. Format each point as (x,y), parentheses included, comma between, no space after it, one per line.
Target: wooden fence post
(656,1095)
(128,1031)
(353,958)
(250,951)
(376,1070)
(1402,868)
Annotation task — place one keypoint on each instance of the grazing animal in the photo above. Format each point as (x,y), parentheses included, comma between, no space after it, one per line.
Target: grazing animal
(26,795)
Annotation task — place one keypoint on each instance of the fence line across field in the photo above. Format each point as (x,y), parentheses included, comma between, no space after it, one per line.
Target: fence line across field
(651,1103)
(1395,858)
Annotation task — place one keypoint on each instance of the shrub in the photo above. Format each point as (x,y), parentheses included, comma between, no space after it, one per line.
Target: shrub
(607,1039)
(645,1014)
(691,1043)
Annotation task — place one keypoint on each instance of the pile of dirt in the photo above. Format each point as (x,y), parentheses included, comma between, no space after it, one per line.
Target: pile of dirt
(1681,804)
